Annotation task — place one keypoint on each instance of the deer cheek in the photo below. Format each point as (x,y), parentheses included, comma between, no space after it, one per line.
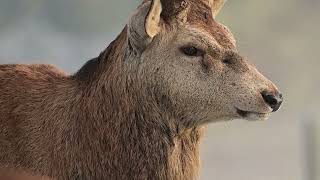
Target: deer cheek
(206,64)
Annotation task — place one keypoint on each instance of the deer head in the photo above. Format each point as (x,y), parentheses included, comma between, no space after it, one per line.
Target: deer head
(189,62)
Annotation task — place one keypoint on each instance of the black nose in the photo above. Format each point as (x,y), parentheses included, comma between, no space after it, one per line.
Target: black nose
(274,100)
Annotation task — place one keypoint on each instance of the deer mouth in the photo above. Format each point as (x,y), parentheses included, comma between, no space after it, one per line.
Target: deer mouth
(250,115)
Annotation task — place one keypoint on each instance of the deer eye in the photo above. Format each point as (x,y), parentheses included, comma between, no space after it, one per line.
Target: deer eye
(228,61)
(191,51)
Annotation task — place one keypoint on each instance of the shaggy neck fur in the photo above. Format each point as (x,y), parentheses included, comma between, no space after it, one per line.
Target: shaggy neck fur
(131,134)
(101,123)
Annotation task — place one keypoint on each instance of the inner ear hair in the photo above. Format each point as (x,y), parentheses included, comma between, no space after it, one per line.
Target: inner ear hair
(152,23)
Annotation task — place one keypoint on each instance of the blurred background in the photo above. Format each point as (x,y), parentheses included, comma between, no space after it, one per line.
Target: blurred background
(280,37)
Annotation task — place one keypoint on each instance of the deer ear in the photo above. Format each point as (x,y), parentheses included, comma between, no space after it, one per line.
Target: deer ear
(216,6)
(152,23)
(144,24)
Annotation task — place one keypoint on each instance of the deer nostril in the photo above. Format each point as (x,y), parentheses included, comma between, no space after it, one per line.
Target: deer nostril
(273,100)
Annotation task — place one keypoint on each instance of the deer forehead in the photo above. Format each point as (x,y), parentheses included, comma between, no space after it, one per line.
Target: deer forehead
(193,34)
(200,16)
(219,37)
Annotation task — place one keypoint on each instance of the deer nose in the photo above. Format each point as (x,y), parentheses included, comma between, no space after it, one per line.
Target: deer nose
(274,100)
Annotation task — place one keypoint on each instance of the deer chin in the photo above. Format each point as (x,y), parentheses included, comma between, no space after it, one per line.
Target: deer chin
(253,116)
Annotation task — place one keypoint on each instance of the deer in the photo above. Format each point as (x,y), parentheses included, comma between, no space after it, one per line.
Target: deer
(137,111)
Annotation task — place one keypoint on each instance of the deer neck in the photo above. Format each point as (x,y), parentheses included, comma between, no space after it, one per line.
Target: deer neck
(131,135)
(140,143)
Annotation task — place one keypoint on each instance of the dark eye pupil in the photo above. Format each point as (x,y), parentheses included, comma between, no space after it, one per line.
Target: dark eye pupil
(227,61)
(190,51)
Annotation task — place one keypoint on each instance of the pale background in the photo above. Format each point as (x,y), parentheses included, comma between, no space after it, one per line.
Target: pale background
(280,36)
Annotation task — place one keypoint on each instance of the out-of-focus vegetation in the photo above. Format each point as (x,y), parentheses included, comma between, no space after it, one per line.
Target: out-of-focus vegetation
(280,37)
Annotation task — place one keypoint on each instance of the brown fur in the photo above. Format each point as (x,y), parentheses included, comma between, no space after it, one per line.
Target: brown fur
(89,126)
(112,120)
